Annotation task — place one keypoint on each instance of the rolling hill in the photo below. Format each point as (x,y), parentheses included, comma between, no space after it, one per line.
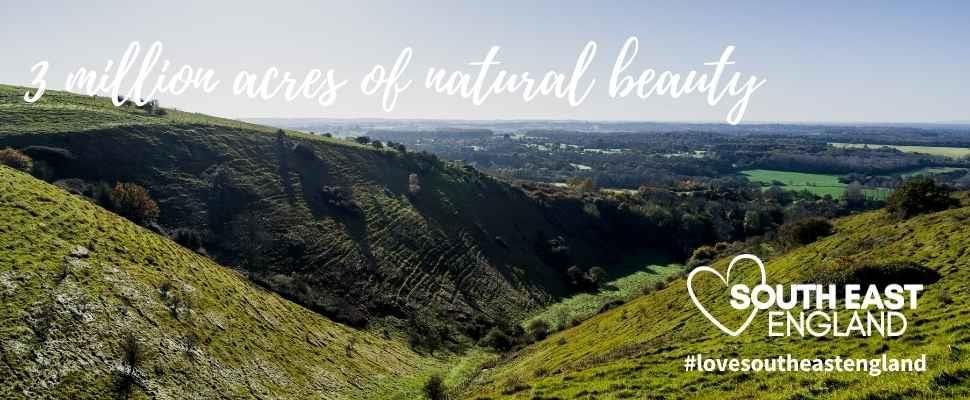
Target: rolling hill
(351,231)
(77,283)
(638,350)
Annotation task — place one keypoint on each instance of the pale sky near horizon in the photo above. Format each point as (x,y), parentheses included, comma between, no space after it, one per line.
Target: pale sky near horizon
(830,61)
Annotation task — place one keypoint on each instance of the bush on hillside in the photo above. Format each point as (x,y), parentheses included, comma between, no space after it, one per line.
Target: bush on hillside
(188,238)
(703,255)
(875,272)
(132,357)
(434,388)
(920,195)
(16,159)
(132,201)
(497,339)
(428,330)
(575,275)
(539,329)
(554,252)
(804,231)
(596,276)
(342,199)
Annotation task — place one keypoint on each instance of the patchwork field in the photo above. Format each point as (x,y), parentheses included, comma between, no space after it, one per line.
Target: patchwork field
(819,184)
(952,152)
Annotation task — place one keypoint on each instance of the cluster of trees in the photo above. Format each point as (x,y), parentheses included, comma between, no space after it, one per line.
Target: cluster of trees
(377,144)
(586,280)
(678,222)
(919,196)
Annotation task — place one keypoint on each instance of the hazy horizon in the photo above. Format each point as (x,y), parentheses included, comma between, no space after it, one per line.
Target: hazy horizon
(859,63)
(645,121)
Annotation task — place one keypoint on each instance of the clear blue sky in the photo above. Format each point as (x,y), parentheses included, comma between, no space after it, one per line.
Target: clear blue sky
(865,61)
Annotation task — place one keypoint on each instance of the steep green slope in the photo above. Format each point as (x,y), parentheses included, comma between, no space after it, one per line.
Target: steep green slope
(76,281)
(638,350)
(328,223)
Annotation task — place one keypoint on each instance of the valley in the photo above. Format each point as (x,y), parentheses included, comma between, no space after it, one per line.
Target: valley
(159,253)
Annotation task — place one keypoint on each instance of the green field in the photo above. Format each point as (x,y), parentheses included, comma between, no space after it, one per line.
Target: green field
(930,171)
(952,152)
(819,184)
(632,283)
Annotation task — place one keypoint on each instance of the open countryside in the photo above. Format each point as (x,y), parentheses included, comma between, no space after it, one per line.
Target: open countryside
(952,152)
(818,184)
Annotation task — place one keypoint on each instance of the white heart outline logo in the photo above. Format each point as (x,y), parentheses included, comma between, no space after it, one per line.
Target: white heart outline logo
(725,278)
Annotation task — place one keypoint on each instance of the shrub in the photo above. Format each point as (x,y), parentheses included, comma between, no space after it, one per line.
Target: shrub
(152,107)
(920,195)
(554,252)
(133,202)
(575,275)
(377,144)
(703,255)
(434,388)
(945,297)
(609,306)
(190,343)
(340,198)
(362,139)
(596,276)
(16,159)
(804,231)
(427,330)
(880,273)
(188,238)
(132,356)
(539,329)
(497,339)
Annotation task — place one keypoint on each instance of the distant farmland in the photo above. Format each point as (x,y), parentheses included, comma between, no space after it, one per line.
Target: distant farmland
(952,152)
(819,184)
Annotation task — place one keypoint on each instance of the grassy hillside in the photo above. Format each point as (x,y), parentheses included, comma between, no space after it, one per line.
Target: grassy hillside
(638,349)
(328,223)
(76,281)
(627,284)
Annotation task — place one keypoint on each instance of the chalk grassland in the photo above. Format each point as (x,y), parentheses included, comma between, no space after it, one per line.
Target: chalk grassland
(952,152)
(63,112)
(637,350)
(819,184)
(206,331)
(334,214)
(627,285)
